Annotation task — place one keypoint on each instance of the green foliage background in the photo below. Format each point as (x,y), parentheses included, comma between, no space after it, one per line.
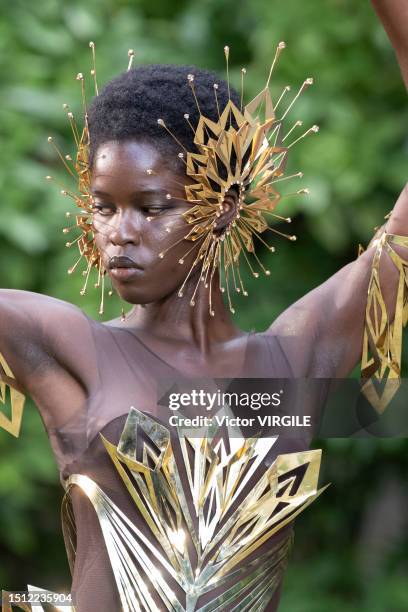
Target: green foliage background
(351,545)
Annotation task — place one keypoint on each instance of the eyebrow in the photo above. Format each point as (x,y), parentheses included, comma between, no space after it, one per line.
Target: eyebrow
(140,192)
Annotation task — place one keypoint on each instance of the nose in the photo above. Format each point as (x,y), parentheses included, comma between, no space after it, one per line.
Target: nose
(125,228)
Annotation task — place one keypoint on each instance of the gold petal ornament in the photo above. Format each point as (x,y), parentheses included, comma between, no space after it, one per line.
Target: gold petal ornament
(382,341)
(206,514)
(9,394)
(245,151)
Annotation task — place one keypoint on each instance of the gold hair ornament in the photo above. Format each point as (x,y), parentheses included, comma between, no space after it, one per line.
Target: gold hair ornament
(251,145)
(80,170)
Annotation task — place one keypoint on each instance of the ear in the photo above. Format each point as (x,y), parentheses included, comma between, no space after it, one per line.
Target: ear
(229,211)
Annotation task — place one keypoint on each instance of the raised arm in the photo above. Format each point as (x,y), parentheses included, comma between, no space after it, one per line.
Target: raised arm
(323,332)
(46,350)
(394,15)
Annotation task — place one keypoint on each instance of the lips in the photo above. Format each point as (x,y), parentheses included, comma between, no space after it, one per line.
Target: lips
(122,262)
(123,268)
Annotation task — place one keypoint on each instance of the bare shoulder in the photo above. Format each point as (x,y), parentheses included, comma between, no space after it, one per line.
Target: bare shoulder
(28,317)
(40,334)
(30,306)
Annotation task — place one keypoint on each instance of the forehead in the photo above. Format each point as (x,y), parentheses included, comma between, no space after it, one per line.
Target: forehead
(126,163)
(124,157)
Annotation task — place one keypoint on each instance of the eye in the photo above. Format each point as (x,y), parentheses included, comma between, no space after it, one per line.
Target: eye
(153,210)
(103,209)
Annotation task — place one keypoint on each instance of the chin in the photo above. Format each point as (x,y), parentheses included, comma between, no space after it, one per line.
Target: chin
(135,295)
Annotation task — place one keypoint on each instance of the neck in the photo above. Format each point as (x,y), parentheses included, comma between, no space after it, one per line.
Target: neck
(174,318)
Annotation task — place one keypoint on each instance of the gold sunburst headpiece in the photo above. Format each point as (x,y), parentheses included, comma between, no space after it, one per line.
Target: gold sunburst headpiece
(80,170)
(245,150)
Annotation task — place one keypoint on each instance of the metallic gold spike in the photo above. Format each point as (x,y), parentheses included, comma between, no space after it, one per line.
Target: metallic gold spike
(93,70)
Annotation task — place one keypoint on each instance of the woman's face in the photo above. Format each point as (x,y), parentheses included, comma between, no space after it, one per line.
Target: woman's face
(125,196)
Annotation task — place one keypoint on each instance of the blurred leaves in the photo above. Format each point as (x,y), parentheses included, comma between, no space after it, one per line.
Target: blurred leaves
(355,167)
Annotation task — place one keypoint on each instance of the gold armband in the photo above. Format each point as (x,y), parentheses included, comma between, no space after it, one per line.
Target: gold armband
(16,401)
(382,341)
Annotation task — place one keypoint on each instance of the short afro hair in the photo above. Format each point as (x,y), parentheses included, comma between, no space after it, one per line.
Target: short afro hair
(129,106)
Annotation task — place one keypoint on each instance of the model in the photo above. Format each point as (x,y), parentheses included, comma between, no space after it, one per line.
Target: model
(176,181)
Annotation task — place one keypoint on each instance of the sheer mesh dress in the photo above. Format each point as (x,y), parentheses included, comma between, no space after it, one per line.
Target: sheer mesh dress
(156,521)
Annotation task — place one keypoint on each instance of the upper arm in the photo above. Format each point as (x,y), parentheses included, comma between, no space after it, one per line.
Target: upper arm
(21,322)
(48,345)
(322,333)
(394,15)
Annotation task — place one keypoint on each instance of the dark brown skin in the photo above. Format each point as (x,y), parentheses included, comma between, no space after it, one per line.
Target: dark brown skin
(394,15)
(326,324)
(123,205)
